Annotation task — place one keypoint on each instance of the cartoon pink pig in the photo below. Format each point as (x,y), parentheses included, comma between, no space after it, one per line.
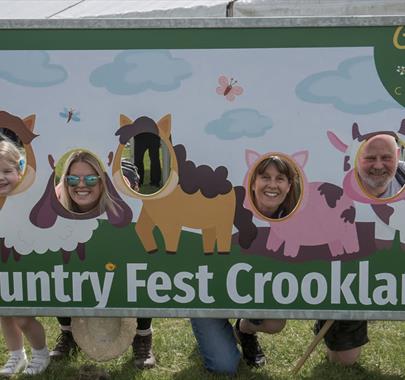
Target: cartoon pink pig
(324,215)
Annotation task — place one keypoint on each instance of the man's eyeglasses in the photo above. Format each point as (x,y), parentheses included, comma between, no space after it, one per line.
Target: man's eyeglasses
(89,180)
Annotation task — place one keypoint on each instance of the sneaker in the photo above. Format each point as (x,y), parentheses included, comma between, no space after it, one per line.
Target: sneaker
(252,352)
(65,346)
(14,365)
(143,354)
(38,364)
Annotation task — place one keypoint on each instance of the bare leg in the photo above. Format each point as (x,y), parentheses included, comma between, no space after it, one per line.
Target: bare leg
(17,359)
(33,330)
(270,326)
(346,358)
(12,334)
(35,334)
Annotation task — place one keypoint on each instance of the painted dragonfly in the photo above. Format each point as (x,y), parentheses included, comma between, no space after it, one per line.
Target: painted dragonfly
(69,114)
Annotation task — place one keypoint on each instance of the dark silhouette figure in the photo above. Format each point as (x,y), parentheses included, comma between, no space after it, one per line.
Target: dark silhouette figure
(150,142)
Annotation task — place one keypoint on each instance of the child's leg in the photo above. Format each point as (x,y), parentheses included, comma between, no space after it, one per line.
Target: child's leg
(12,334)
(17,359)
(35,334)
(33,330)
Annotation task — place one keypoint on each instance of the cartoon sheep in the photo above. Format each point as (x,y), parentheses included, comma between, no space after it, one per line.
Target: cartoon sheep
(390,212)
(47,210)
(194,197)
(325,215)
(46,225)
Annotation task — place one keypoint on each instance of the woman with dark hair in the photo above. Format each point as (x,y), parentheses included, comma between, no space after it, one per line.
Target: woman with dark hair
(275,187)
(274,191)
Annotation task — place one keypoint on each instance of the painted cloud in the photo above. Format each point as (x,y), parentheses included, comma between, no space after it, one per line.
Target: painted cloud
(242,122)
(353,88)
(133,72)
(30,68)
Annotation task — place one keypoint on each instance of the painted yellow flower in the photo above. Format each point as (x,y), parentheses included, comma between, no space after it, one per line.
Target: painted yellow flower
(110,266)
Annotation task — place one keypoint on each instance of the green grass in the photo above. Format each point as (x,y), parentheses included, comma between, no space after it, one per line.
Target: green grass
(178,357)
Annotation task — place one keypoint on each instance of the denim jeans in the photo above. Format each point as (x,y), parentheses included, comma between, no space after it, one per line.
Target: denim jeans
(217,344)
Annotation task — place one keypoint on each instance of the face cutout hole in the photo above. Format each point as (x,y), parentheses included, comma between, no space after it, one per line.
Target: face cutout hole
(146,163)
(275,187)
(401,145)
(80,183)
(379,169)
(12,162)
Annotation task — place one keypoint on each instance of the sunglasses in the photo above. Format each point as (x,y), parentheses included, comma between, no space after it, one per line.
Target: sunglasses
(89,180)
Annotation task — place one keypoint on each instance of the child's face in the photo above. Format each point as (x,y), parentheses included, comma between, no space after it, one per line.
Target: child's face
(9,178)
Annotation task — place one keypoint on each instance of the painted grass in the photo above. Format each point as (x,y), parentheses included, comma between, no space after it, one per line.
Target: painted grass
(177,355)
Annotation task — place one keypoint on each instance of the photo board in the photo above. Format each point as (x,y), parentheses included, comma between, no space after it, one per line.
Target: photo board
(219,98)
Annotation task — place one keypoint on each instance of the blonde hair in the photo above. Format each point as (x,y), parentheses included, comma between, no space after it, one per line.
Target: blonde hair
(10,153)
(105,200)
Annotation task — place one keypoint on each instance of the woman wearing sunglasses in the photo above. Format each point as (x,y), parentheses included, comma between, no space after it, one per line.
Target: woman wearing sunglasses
(83,185)
(82,188)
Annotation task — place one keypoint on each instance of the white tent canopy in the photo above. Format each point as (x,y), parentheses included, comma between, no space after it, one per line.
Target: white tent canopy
(74,9)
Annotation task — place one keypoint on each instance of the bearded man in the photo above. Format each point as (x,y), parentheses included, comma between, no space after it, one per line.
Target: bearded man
(378,164)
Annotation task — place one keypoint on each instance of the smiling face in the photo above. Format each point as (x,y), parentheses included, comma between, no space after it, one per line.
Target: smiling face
(84,197)
(9,177)
(377,164)
(270,189)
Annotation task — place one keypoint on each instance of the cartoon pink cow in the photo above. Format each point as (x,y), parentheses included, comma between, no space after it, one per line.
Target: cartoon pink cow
(325,215)
(390,213)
